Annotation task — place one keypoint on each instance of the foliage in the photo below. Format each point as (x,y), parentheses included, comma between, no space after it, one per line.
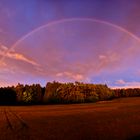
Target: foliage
(56,92)
(76,92)
(29,94)
(7,96)
(118,93)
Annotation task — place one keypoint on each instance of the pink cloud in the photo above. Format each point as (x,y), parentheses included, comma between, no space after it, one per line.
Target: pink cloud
(13,55)
(121,82)
(125,84)
(76,77)
(68,53)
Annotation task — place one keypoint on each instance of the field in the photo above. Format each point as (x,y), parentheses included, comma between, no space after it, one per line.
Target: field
(107,120)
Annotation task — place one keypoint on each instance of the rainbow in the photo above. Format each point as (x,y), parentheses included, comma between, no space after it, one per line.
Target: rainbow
(119,28)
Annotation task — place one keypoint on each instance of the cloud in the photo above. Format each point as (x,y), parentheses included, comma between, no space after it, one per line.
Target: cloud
(120,82)
(102,57)
(133,84)
(83,53)
(77,77)
(108,60)
(125,84)
(4,48)
(2,64)
(14,55)
(20,57)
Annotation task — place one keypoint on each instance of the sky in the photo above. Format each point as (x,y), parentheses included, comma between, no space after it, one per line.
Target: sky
(92,41)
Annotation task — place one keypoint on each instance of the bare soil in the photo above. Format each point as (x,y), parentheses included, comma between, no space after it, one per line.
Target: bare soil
(111,120)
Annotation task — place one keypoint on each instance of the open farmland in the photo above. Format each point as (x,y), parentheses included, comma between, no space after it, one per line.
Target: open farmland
(109,120)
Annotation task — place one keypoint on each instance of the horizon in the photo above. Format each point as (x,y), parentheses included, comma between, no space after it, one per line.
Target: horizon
(93,42)
(125,87)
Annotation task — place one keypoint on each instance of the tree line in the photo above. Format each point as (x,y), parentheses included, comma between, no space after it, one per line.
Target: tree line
(61,93)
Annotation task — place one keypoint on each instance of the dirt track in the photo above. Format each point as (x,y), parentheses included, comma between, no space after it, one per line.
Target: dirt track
(113,120)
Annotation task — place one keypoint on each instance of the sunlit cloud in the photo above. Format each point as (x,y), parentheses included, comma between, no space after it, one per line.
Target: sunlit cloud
(110,60)
(78,77)
(73,57)
(120,82)
(3,64)
(71,51)
(20,57)
(3,48)
(14,55)
(125,84)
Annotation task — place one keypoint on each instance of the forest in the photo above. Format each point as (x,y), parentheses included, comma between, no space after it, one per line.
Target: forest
(61,93)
